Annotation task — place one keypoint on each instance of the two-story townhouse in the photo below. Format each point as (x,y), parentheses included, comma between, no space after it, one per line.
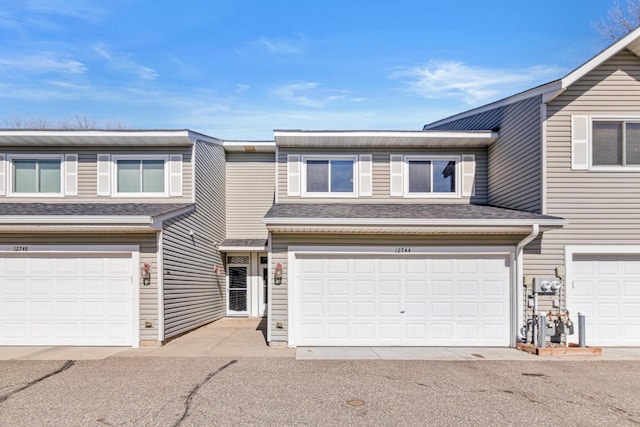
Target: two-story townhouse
(109,237)
(571,148)
(385,238)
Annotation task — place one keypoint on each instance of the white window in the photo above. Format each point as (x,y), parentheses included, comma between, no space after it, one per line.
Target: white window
(36,176)
(615,143)
(431,176)
(144,176)
(334,176)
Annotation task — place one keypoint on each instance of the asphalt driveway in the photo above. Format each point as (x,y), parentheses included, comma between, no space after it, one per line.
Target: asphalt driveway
(282,391)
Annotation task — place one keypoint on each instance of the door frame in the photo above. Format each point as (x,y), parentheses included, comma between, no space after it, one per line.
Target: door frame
(263,288)
(247,290)
(293,251)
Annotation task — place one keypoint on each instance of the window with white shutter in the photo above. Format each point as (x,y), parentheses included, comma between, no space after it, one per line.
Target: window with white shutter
(396,167)
(579,142)
(293,174)
(104,175)
(71,174)
(366,174)
(175,175)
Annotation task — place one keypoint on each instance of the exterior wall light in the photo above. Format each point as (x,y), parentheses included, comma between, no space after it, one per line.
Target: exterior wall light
(146,274)
(277,275)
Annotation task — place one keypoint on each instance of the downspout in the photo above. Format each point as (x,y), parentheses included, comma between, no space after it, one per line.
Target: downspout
(519,280)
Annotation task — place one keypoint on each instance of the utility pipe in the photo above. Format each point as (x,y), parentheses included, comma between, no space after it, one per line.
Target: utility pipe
(519,261)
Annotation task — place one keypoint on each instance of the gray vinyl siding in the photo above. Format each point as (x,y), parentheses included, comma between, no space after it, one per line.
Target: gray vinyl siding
(148,254)
(194,294)
(381,175)
(602,207)
(88,173)
(514,163)
(250,194)
(281,242)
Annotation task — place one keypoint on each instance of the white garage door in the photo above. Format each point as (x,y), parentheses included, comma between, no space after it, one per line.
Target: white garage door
(51,299)
(607,289)
(402,301)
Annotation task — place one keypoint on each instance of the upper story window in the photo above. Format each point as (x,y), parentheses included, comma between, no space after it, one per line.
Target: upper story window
(36,176)
(615,143)
(427,176)
(140,176)
(329,175)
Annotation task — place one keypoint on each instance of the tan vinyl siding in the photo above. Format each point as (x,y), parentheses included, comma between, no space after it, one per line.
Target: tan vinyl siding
(281,242)
(602,207)
(194,294)
(148,254)
(381,175)
(87,173)
(250,194)
(514,170)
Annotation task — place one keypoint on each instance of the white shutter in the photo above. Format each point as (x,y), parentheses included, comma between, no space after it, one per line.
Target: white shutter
(175,175)
(293,174)
(104,174)
(396,166)
(71,174)
(579,142)
(3,175)
(366,161)
(468,175)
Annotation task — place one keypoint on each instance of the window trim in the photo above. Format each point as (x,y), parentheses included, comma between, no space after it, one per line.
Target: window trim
(114,174)
(36,157)
(351,157)
(609,168)
(421,157)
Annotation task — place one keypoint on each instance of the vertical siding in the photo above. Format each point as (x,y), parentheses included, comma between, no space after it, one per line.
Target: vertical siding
(381,171)
(603,208)
(515,167)
(281,242)
(250,194)
(87,173)
(193,293)
(148,250)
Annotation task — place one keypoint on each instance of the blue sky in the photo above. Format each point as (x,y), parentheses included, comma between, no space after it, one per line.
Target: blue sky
(239,69)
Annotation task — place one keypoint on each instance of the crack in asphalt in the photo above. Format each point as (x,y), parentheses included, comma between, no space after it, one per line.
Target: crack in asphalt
(67,365)
(194,390)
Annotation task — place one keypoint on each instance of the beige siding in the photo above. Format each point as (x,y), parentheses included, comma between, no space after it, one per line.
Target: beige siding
(380,178)
(603,207)
(281,242)
(87,173)
(515,171)
(148,254)
(193,293)
(250,194)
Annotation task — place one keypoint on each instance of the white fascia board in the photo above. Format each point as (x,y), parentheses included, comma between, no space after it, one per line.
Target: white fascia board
(600,58)
(250,146)
(156,222)
(388,134)
(242,248)
(75,219)
(152,133)
(411,221)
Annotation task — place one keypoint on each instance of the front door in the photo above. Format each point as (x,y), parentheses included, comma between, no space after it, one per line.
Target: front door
(237,290)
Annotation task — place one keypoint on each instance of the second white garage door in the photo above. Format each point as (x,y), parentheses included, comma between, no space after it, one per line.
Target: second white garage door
(66,299)
(607,289)
(402,300)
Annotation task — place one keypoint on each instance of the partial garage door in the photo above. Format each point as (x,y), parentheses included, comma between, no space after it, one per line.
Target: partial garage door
(402,301)
(72,299)
(607,289)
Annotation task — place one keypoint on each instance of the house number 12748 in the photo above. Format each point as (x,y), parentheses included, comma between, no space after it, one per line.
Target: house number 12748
(20,248)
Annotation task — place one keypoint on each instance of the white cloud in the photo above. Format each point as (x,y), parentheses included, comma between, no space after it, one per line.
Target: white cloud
(241,87)
(473,84)
(43,62)
(282,46)
(124,63)
(307,94)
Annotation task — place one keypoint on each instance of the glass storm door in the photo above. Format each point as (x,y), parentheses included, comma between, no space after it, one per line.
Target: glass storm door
(237,289)
(264,286)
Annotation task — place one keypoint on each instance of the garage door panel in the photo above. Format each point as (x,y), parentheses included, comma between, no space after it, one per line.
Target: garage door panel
(66,299)
(606,287)
(427,301)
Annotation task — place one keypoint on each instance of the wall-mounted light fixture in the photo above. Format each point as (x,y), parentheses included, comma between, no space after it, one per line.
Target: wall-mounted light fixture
(277,275)
(217,269)
(146,274)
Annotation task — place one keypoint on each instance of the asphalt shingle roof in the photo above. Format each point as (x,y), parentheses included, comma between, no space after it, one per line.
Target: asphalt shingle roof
(244,242)
(399,211)
(89,209)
